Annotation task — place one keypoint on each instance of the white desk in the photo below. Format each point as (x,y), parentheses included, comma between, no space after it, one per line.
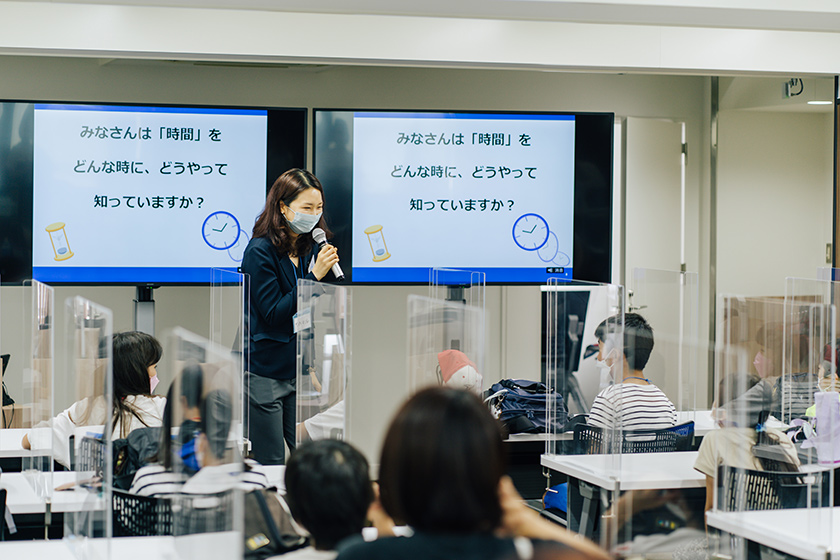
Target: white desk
(205,545)
(21,497)
(633,471)
(591,475)
(811,535)
(516,438)
(703,421)
(10,444)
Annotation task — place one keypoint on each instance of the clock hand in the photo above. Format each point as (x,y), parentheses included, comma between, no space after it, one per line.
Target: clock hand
(532,229)
(224,226)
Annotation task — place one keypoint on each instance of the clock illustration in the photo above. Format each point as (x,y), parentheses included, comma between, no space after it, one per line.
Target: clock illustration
(238,250)
(530,232)
(220,230)
(551,253)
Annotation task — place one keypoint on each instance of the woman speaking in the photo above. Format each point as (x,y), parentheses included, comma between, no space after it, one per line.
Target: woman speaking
(280,252)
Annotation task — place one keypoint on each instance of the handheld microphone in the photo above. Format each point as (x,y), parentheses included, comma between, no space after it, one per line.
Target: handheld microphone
(321,239)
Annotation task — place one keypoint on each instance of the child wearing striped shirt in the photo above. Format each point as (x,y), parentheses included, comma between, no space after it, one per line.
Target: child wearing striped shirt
(633,402)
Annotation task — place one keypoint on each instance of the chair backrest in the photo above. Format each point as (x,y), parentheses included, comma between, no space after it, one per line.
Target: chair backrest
(91,456)
(591,439)
(749,490)
(202,513)
(140,516)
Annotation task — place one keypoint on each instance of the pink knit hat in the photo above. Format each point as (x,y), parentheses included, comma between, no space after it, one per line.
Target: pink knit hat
(457,370)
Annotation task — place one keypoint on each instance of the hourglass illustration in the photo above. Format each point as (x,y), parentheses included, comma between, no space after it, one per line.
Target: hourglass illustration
(58,237)
(377,243)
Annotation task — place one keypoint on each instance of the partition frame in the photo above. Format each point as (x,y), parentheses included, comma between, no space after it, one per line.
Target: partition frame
(324,341)
(88,366)
(451,317)
(230,308)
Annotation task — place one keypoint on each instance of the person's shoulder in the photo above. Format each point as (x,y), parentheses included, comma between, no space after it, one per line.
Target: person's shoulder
(259,245)
(737,436)
(388,547)
(308,553)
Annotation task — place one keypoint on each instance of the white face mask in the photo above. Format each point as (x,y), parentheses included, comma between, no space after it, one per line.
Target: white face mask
(303,223)
(605,374)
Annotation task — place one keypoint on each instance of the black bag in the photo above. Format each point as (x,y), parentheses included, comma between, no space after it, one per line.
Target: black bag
(132,452)
(269,527)
(522,406)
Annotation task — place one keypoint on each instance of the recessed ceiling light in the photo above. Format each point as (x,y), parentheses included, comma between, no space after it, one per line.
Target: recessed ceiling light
(819,103)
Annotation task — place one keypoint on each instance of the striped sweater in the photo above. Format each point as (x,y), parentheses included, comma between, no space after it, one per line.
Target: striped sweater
(632,407)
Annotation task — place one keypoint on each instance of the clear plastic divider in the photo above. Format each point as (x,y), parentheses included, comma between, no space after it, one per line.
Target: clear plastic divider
(669,301)
(83,433)
(324,351)
(229,323)
(446,332)
(204,447)
(759,463)
(584,351)
(34,407)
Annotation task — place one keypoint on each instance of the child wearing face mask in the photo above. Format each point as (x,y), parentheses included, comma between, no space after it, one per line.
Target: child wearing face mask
(633,402)
(135,358)
(220,470)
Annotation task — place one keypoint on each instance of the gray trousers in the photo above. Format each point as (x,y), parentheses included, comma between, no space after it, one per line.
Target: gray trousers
(271,417)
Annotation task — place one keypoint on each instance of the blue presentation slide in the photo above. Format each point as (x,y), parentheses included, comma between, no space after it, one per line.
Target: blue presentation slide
(144,194)
(485,192)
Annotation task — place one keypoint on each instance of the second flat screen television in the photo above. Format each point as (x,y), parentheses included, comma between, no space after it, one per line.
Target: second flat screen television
(523,197)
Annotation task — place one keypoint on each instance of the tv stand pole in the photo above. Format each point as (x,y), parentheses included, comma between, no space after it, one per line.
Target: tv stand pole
(144,310)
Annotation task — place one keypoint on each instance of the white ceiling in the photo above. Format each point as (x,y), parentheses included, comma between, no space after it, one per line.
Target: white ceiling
(803,15)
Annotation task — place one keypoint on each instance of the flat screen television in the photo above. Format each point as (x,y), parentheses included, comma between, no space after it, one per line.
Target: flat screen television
(522,197)
(135,194)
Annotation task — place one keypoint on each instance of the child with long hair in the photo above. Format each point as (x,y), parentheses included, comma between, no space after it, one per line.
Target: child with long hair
(135,358)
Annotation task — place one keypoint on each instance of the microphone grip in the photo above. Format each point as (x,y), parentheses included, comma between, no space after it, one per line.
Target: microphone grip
(336,270)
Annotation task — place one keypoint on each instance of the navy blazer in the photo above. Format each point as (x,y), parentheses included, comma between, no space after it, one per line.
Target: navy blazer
(272,341)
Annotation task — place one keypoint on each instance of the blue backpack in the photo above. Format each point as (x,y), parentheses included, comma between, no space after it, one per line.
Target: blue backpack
(521,405)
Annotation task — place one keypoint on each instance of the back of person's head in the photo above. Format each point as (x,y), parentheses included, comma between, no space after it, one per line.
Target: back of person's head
(134,353)
(637,339)
(192,384)
(329,491)
(733,386)
(164,454)
(441,463)
(216,417)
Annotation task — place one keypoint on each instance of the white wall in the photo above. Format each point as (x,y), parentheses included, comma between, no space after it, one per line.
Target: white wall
(774,199)
(378,358)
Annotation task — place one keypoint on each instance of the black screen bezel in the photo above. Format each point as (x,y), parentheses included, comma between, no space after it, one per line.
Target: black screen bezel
(594,145)
(280,156)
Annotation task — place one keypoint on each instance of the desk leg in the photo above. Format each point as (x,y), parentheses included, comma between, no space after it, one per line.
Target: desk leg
(47,519)
(582,507)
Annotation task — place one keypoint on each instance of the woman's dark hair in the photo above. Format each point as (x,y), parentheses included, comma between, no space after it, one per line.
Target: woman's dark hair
(192,383)
(441,463)
(164,452)
(328,490)
(271,223)
(134,353)
(216,417)
(734,385)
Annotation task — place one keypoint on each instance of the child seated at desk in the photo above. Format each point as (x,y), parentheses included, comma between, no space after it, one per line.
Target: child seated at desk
(135,359)
(741,399)
(634,403)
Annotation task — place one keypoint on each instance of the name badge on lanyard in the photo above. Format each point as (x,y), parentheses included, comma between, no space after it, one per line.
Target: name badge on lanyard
(302,320)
